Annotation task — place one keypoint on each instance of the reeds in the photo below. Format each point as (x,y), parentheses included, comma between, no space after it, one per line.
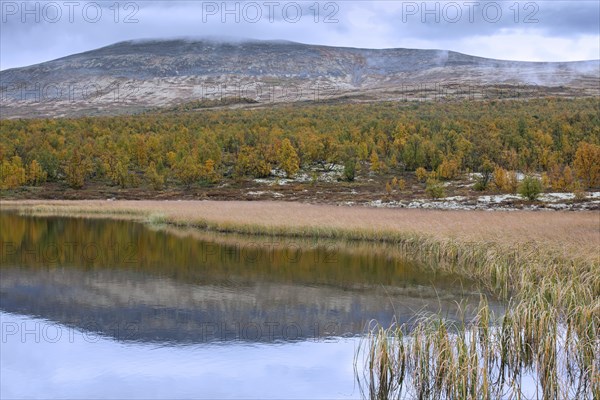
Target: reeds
(542,347)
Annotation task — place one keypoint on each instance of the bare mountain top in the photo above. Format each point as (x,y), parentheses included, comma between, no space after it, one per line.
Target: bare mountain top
(135,75)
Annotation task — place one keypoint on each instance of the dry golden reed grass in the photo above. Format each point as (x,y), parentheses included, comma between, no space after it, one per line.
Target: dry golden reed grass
(568,233)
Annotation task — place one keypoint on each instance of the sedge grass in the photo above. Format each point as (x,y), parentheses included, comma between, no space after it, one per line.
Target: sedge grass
(532,351)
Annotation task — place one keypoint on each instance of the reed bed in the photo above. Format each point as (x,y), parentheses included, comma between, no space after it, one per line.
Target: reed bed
(545,346)
(533,351)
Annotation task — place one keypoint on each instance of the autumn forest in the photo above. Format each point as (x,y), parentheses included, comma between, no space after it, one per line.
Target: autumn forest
(556,139)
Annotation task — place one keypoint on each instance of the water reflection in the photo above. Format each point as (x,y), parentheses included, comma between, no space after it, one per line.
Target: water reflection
(76,365)
(132,283)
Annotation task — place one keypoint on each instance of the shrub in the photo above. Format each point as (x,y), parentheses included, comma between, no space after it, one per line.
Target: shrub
(587,164)
(401,184)
(505,181)
(578,191)
(481,184)
(512,182)
(36,174)
(421,174)
(435,189)
(559,178)
(376,165)
(288,158)
(349,170)
(156,180)
(252,162)
(12,173)
(388,188)
(530,188)
(187,170)
(487,169)
(208,173)
(448,169)
(568,177)
(75,172)
(314,178)
(500,178)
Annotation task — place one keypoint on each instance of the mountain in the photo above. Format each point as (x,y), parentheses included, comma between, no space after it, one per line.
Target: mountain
(137,75)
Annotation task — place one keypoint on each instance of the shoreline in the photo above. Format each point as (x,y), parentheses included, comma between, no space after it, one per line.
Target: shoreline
(364,193)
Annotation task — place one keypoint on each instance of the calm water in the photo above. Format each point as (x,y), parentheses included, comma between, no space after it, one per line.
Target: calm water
(100,308)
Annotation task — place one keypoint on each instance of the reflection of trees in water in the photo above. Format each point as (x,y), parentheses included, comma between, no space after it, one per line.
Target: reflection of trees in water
(116,276)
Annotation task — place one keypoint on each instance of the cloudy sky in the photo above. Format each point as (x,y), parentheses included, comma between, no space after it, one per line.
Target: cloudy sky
(37,31)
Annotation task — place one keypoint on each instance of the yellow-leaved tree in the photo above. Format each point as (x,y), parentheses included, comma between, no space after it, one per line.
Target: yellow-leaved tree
(208,172)
(288,158)
(375,163)
(587,164)
(12,173)
(156,180)
(75,170)
(36,174)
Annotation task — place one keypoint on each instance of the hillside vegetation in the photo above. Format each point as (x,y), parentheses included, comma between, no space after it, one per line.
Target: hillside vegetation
(558,138)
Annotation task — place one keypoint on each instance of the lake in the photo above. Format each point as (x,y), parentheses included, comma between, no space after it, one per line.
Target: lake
(106,308)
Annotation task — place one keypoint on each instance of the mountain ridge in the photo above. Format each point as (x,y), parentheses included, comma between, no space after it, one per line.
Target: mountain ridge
(164,72)
(238,41)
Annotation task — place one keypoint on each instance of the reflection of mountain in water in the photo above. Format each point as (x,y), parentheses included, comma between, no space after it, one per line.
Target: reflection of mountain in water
(183,289)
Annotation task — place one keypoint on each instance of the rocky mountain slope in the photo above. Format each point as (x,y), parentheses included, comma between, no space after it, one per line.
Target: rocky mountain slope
(137,75)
